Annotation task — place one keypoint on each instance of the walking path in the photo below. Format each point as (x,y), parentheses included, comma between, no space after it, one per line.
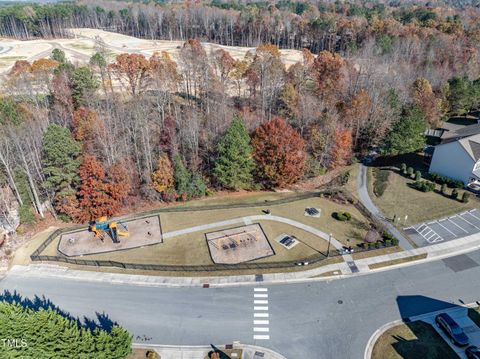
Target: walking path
(343,269)
(368,203)
(249,220)
(199,352)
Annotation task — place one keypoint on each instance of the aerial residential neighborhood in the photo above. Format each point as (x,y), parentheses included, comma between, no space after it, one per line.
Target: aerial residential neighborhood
(240,179)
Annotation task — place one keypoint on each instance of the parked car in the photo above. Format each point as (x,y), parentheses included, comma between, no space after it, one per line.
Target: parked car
(473,352)
(452,329)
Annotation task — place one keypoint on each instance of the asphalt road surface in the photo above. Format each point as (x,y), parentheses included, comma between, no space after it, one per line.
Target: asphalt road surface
(331,319)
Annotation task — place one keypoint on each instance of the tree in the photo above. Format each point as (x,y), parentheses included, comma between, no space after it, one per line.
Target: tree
(342,147)
(132,69)
(329,72)
(460,95)
(162,177)
(279,152)
(187,184)
(84,84)
(59,56)
(407,134)
(60,160)
(425,99)
(234,163)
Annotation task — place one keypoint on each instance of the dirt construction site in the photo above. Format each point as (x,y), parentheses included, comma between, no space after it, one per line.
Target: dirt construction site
(240,244)
(141,232)
(85,42)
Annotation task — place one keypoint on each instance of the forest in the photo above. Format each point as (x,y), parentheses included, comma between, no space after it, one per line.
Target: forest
(82,140)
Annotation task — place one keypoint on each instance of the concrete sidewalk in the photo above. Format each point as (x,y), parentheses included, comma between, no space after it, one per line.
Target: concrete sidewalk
(433,252)
(200,352)
(364,196)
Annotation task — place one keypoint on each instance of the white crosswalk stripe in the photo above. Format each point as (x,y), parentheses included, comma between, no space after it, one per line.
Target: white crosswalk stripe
(260,311)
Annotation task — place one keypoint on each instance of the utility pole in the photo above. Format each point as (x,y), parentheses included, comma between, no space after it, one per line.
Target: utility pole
(329,240)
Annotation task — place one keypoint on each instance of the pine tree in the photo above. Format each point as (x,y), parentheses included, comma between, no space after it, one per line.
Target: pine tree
(60,160)
(187,184)
(407,134)
(234,163)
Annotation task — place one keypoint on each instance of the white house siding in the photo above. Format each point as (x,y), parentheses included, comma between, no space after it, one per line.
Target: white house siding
(451,160)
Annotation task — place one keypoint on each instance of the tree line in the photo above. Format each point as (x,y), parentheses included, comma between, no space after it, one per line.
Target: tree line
(80,141)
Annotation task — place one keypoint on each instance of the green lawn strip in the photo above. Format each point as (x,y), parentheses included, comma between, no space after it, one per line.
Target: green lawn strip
(398,261)
(412,341)
(375,252)
(399,199)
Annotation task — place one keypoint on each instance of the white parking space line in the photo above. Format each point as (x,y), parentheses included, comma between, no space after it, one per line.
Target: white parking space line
(260,308)
(260,289)
(456,224)
(471,212)
(463,219)
(441,225)
(260,302)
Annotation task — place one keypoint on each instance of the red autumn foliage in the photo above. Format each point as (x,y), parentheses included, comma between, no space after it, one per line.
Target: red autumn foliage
(133,69)
(279,151)
(342,149)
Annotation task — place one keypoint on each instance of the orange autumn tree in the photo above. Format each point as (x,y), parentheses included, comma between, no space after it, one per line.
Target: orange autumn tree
(279,152)
(427,101)
(99,194)
(132,69)
(162,177)
(329,72)
(342,148)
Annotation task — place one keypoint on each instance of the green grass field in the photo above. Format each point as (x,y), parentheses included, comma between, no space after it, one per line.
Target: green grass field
(399,199)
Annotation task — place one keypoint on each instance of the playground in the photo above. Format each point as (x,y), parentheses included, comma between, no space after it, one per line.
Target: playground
(131,234)
(237,245)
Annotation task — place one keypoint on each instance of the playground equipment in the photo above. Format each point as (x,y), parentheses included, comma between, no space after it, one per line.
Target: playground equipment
(102,226)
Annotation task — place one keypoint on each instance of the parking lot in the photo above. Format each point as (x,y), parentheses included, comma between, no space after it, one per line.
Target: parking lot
(445,229)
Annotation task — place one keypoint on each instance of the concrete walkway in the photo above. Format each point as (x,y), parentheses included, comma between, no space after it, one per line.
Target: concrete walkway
(200,352)
(327,272)
(370,206)
(251,219)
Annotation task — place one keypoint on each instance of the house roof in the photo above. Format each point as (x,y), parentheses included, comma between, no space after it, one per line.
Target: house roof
(471,144)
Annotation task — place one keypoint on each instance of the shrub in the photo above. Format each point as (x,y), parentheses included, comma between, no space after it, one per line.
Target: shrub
(388,236)
(443,188)
(342,216)
(424,186)
(410,171)
(403,168)
(378,244)
(371,245)
(388,242)
(151,354)
(418,176)
(465,197)
(395,241)
(450,182)
(454,194)
(381,182)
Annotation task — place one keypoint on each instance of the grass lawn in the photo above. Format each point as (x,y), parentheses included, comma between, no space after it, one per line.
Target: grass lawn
(376,252)
(399,199)
(397,261)
(351,185)
(349,233)
(412,341)
(22,254)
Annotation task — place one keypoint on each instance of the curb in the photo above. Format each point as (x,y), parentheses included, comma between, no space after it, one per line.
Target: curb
(236,345)
(378,333)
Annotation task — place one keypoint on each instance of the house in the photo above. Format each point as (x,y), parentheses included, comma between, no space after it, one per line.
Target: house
(457,154)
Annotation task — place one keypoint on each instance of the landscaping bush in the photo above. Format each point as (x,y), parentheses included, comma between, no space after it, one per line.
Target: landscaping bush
(151,354)
(450,182)
(60,336)
(418,176)
(381,182)
(424,186)
(388,242)
(410,172)
(342,216)
(454,194)
(465,197)
(395,241)
(387,236)
(443,188)
(403,168)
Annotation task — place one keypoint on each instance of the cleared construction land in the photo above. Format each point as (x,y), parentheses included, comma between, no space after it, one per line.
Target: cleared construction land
(85,42)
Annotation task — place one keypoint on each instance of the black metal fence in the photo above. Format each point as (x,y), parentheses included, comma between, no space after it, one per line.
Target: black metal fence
(37,256)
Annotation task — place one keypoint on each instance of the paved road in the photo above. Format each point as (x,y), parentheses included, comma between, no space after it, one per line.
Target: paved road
(306,320)
(368,203)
